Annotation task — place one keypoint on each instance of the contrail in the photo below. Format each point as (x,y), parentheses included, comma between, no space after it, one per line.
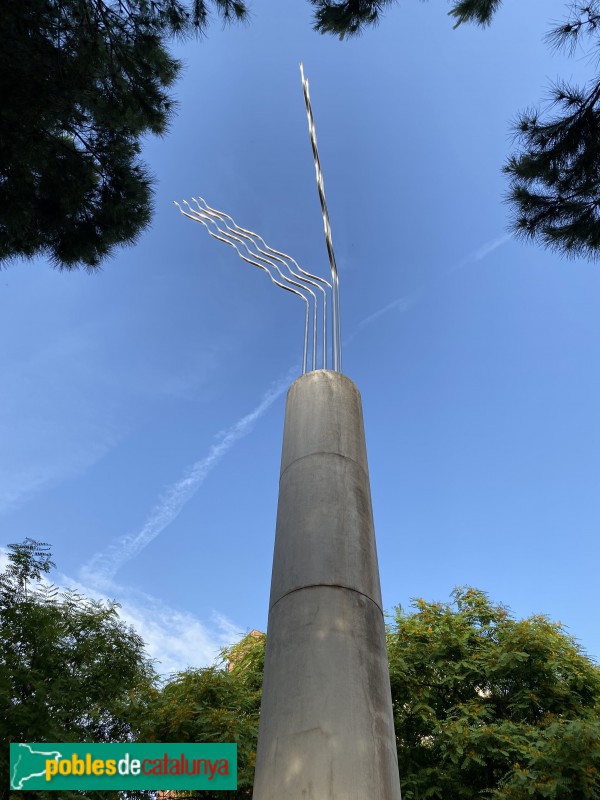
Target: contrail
(403,303)
(105,564)
(483,251)
(407,301)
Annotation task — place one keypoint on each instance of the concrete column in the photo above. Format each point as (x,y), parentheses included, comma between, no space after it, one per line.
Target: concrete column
(326,725)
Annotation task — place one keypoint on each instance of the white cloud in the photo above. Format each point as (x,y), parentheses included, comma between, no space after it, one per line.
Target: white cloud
(174,639)
(51,427)
(54,463)
(67,402)
(104,565)
(178,639)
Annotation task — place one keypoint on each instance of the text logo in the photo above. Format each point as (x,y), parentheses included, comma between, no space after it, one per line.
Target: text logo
(122,766)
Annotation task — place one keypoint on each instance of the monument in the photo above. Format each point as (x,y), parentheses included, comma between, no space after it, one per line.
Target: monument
(326,724)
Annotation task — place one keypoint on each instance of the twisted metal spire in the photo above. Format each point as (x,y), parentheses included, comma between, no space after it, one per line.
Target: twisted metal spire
(336,328)
(281,268)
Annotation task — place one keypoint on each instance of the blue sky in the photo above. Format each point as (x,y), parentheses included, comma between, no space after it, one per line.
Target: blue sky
(141,410)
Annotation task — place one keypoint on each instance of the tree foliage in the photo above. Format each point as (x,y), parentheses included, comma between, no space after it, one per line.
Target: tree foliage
(488,705)
(349,17)
(484,705)
(478,11)
(69,668)
(554,174)
(344,18)
(82,81)
(213,704)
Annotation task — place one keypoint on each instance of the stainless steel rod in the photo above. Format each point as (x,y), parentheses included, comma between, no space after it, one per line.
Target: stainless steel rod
(336,326)
(197,218)
(276,253)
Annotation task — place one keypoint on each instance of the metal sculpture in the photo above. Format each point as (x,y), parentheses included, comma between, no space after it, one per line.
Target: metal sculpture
(335,292)
(272,261)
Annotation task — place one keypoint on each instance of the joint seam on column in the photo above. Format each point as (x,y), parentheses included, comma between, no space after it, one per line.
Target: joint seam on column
(329,585)
(325,453)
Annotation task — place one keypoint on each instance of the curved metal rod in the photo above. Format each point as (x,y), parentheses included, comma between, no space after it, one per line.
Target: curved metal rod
(232,235)
(262,267)
(337,338)
(242,232)
(283,258)
(278,256)
(283,255)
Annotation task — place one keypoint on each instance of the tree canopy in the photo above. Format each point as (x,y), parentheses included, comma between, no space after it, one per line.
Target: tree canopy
(487,704)
(554,174)
(82,82)
(484,704)
(214,704)
(70,670)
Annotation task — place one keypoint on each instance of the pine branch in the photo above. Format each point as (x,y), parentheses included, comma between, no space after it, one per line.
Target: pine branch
(478,11)
(583,20)
(555,179)
(347,17)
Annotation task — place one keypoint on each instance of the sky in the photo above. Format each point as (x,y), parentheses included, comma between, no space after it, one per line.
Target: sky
(141,407)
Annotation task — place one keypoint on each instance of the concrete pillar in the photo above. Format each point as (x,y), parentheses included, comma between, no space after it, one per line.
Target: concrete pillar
(326,726)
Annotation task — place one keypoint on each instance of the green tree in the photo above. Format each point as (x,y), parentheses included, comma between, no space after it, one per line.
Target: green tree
(484,705)
(82,82)
(70,670)
(554,174)
(213,704)
(488,705)
(350,17)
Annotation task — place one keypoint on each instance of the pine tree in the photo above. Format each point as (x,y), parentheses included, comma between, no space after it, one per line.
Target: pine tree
(81,82)
(554,175)
(349,17)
